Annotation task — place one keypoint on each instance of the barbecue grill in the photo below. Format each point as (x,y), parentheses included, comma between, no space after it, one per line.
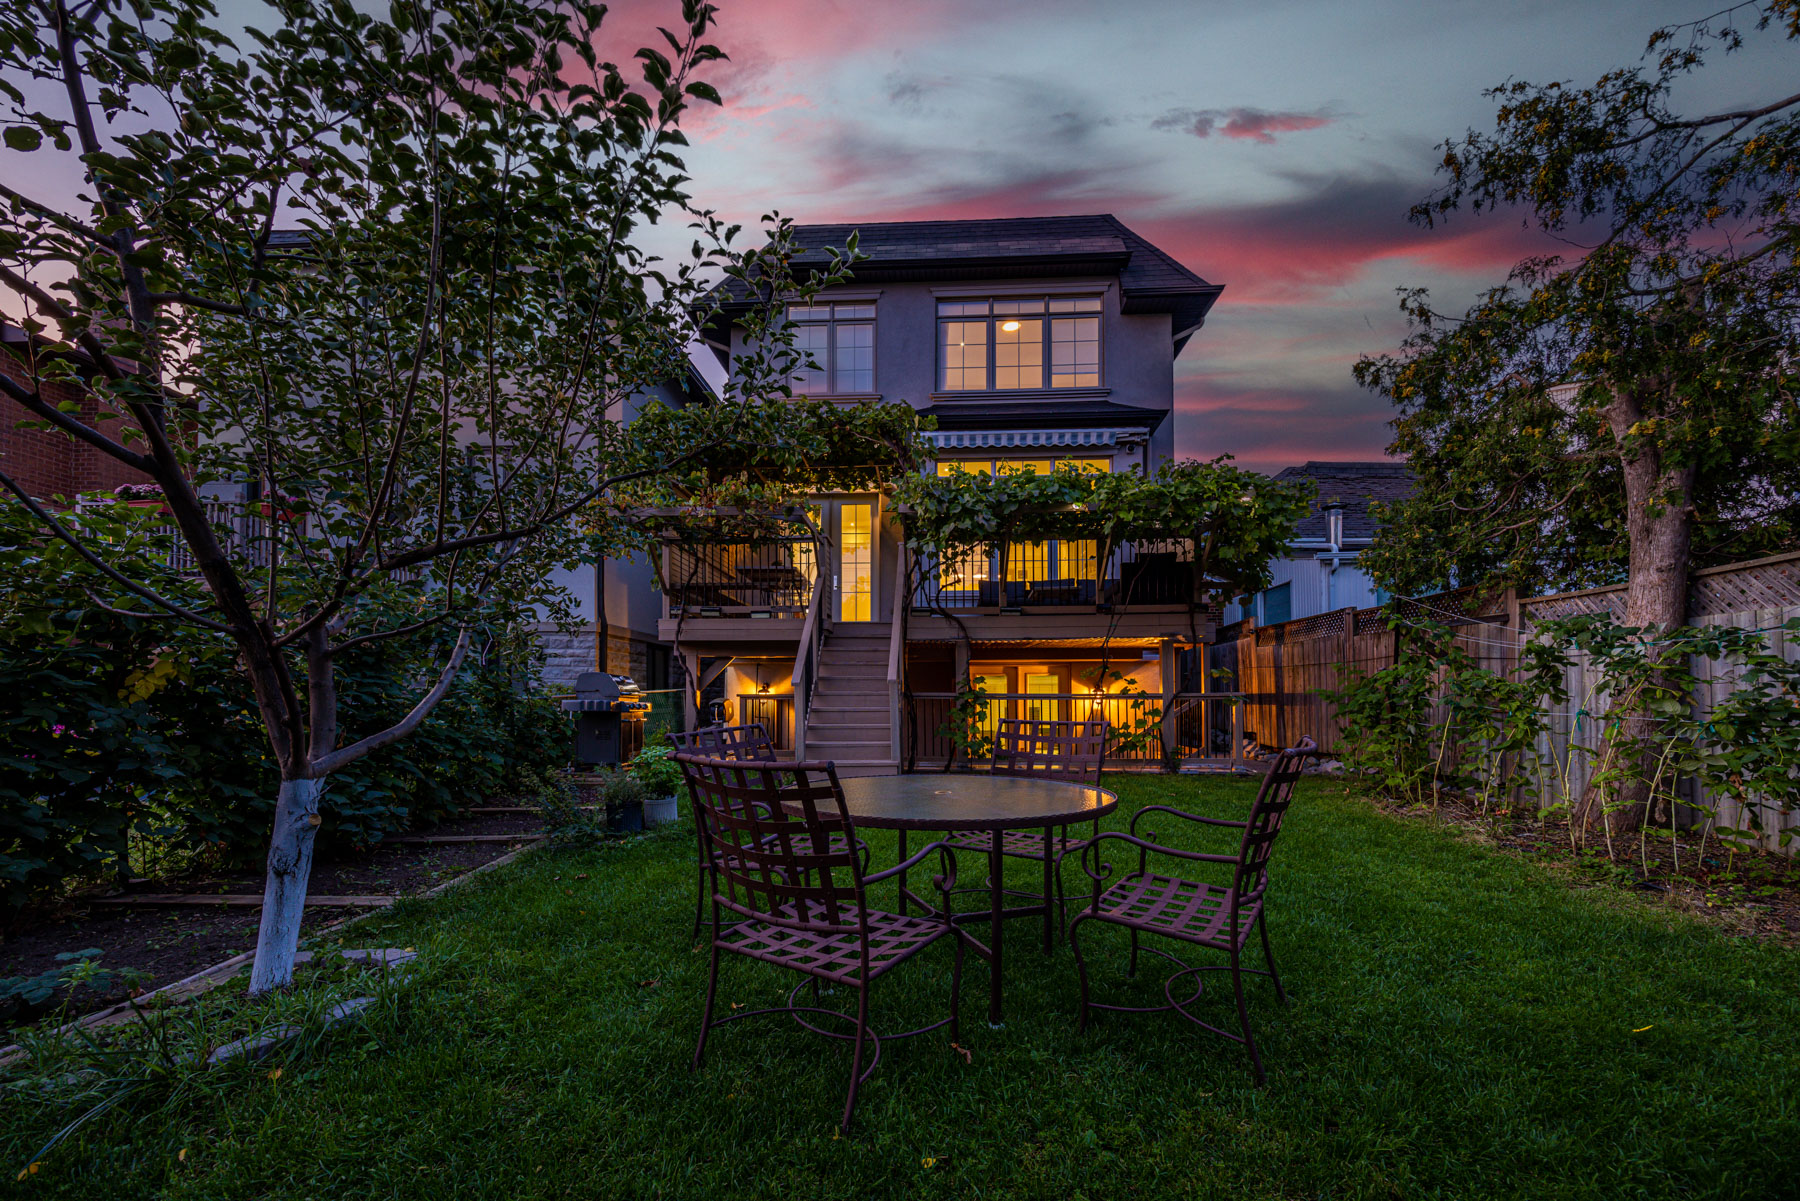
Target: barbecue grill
(609,718)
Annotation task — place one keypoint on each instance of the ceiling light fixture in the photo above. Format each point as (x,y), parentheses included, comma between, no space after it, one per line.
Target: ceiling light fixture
(1011,327)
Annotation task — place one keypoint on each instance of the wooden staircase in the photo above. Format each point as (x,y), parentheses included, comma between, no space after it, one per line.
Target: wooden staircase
(850,721)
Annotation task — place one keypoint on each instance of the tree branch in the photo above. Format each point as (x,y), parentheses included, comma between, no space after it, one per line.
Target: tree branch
(324,765)
(75,429)
(198,302)
(56,527)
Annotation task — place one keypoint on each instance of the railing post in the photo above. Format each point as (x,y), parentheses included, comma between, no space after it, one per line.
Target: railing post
(1169,672)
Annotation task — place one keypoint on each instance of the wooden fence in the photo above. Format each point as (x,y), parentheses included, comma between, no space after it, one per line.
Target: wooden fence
(1286,669)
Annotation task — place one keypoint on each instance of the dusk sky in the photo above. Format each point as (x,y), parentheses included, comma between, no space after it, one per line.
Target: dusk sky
(1271,147)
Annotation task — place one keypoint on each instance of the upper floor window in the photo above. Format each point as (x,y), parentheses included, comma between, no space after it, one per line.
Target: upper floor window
(992,345)
(836,348)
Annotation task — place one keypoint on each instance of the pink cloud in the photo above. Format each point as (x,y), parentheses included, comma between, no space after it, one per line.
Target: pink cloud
(1248,124)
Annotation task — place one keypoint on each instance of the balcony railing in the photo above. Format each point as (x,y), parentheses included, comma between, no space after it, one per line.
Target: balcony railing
(739,578)
(1205,725)
(1065,574)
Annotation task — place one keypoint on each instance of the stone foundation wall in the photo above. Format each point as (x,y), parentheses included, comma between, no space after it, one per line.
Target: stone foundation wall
(567,655)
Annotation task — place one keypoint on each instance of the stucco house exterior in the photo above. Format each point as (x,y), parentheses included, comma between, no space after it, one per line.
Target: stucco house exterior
(1032,342)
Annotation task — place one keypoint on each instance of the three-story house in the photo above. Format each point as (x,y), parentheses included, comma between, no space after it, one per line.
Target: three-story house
(1033,343)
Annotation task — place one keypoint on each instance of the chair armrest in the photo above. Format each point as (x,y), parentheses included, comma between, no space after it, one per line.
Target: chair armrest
(1184,814)
(1098,871)
(912,861)
(945,882)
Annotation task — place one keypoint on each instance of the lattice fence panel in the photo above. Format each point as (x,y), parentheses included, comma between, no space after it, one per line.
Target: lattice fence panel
(1748,587)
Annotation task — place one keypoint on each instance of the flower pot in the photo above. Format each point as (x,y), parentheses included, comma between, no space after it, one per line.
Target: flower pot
(625,819)
(661,810)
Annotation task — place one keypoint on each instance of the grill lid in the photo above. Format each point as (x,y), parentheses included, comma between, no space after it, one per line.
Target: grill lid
(604,685)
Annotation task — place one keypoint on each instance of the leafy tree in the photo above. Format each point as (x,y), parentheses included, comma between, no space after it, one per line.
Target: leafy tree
(415,386)
(1629,408)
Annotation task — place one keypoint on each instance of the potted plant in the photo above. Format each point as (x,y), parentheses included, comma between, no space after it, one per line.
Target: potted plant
(142,496)
(623,796)
(655,768)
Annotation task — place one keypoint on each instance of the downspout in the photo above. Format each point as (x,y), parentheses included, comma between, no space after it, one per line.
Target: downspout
(1334,539)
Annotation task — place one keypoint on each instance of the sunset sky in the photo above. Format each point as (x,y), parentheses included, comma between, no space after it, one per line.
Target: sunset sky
(1271,147)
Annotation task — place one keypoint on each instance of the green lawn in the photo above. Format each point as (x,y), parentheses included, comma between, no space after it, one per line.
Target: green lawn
(1462,1024)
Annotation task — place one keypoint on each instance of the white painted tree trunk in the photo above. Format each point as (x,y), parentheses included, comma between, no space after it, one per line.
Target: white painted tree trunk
(284,891)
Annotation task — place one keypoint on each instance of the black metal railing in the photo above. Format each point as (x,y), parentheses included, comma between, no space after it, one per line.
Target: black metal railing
(1204,726)
(739,578)
(1057,574)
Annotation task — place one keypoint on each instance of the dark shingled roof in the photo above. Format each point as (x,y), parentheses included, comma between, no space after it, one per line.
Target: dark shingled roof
(1011,248)
(1354,485)
(1037,415)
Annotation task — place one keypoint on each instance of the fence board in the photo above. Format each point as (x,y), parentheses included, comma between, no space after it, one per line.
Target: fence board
(1285,669)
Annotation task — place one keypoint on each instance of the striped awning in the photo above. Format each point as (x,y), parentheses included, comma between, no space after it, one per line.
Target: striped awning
(982,439)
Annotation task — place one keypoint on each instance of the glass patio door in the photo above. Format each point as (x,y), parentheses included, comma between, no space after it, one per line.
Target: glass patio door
(856,562)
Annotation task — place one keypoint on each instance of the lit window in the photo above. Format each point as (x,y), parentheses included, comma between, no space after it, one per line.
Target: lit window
(964,353)
(834,347)
(1022,342)
(1075,352)
(1075,560)
(1029,466)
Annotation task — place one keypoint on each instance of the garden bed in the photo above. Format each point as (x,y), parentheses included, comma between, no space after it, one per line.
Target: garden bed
(1749,892)
(159,944)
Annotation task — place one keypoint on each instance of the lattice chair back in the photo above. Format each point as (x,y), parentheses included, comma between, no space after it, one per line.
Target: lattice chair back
(750,741)
(766,830)
(1050,750)
(1266,817)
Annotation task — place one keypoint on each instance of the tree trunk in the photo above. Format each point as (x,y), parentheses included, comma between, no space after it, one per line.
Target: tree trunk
(284,890)
(1659,524)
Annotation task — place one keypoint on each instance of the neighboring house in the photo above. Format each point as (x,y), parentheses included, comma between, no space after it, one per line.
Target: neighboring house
(1032,342)
(621,637)
(1320,571)
(48,463)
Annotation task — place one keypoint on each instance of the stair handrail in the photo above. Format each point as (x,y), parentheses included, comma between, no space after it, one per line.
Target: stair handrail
(896,649)
(806,663)
(897,634)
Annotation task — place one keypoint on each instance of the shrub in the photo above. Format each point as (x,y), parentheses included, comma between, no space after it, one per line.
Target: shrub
(117,728)
(656,769)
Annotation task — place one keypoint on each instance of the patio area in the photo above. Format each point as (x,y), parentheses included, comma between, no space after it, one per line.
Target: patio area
(1463,1022)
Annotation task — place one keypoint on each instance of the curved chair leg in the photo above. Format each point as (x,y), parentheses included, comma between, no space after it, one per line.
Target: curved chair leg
(1049,900)
(1081,1020)
(956,989)
(1269,958)
(862,1030)
(699,878)
(1237,986)
(712,991)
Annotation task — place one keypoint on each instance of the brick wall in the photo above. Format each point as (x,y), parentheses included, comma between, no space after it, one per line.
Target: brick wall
(49,463)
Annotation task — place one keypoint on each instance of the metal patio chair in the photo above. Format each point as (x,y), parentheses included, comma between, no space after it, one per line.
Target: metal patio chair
(1072,751)
(1217,917)
(801,908)
(748,743)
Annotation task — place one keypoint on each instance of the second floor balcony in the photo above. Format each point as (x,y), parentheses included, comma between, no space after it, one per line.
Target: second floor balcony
(1066,574)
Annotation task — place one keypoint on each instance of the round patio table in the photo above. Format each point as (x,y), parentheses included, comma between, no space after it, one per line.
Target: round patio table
(994,804)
